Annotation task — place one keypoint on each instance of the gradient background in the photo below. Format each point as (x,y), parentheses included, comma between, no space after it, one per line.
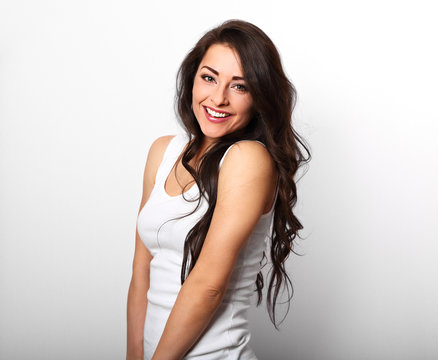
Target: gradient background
(86,86)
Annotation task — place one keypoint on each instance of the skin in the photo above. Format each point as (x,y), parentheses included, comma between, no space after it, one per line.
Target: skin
(246,185)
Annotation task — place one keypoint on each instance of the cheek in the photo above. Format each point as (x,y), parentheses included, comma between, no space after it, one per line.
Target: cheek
(245,107)
(196,99)
(198,90)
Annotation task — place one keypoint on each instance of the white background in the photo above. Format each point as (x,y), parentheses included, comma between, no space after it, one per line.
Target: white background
(86,86)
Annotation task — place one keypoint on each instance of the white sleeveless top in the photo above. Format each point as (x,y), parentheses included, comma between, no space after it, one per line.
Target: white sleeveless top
(227,334)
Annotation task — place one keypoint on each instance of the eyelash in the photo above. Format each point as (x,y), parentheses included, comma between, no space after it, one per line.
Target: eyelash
(242,89)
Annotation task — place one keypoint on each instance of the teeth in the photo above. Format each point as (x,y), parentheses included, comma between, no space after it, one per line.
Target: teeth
(216,114)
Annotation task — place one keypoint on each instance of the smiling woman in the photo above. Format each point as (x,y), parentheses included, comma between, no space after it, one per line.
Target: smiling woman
(214,198)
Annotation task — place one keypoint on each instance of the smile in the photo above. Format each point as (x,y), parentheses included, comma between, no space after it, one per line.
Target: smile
(216,114)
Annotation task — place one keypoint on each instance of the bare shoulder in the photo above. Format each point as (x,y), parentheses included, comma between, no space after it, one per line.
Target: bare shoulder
(154,158)
(248,169)
(251,155)
(156,153)
(159,146)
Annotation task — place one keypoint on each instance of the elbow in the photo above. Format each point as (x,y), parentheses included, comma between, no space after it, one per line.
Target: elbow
(205,295)
(203,289)
(213,294)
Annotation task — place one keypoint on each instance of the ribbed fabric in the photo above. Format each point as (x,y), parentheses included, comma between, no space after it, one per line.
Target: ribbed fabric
(227,335)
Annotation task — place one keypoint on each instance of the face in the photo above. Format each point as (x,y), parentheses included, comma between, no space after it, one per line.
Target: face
(221,101)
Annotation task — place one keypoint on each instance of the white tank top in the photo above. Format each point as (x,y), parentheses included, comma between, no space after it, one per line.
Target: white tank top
(227,334)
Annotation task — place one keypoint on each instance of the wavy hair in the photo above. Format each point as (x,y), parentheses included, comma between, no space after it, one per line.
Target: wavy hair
(274,98)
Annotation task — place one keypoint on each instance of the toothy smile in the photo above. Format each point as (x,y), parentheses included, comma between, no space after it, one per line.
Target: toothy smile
(216,114)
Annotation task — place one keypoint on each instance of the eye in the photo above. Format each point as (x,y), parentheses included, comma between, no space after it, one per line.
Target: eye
(240,87)
(207,78)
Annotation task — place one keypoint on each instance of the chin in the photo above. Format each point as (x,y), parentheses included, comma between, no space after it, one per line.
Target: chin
(211,132)
(212,135)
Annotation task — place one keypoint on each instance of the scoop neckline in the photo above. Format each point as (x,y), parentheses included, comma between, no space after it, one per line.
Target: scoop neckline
(166,176)
(179,195)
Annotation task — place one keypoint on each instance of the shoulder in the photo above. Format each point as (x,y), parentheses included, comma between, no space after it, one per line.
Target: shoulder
(157,149)
(155,156)
(159,145)
(248,170)
(250,154)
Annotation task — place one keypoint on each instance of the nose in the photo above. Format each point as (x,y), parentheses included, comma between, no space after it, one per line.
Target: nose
(219,95)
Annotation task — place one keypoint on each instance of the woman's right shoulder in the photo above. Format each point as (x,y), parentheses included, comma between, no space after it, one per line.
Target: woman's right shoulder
(159,145)
(155,156)
(157,150)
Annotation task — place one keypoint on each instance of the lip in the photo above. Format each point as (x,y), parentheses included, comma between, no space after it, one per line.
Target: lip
(213,119)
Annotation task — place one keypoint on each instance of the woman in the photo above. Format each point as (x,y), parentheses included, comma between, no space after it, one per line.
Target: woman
(213,198)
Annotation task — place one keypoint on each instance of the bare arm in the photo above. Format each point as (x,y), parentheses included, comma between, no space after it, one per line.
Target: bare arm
(137,301)
(137,294)
(245,186)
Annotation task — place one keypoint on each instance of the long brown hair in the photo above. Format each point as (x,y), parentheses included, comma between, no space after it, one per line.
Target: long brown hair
(274,98)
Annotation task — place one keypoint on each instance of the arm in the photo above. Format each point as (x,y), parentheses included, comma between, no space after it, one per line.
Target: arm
(137,294)
(137,301)
(245,186)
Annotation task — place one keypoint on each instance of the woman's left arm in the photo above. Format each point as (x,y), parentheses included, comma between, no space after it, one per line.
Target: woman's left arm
(245,187)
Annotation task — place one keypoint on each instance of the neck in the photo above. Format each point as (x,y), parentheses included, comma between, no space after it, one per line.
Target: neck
(207,143)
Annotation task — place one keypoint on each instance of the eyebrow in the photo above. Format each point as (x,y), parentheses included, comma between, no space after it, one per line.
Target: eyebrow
(217,73)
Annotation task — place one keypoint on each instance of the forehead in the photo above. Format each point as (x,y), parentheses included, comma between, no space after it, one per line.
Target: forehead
(223,59)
